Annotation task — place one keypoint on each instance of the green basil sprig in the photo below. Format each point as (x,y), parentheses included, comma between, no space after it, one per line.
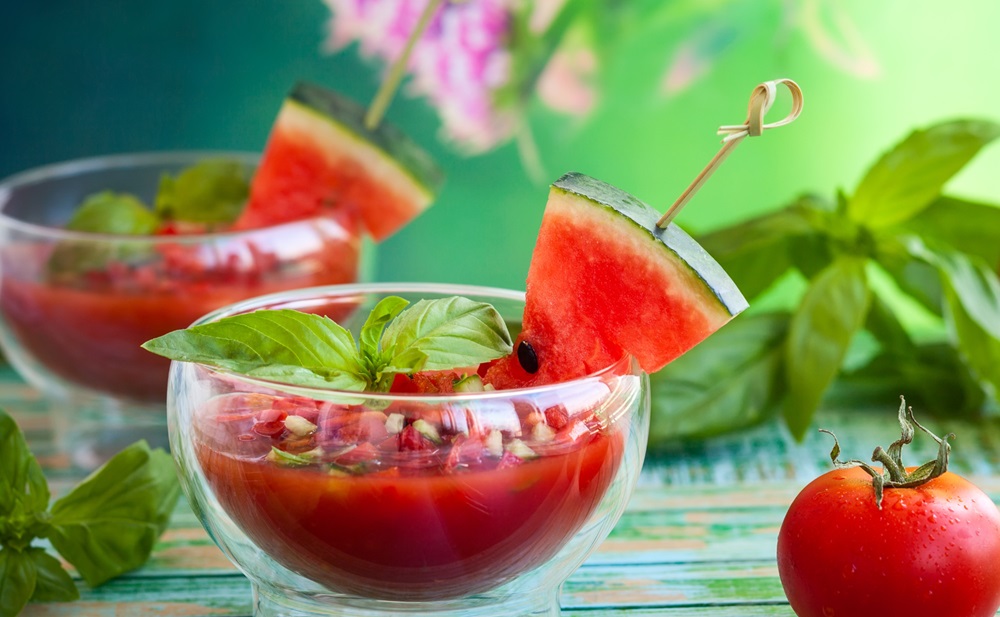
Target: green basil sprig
(210,193)
(312,350)
(105,526)
(939,252)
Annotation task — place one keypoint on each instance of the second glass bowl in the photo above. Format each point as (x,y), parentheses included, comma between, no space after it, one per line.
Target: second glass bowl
(76,306)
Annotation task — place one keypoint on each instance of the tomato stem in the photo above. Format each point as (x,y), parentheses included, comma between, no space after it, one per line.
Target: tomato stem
(894,473)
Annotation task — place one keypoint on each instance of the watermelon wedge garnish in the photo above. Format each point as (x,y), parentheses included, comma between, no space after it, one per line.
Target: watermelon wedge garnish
(604,280)
(320,157)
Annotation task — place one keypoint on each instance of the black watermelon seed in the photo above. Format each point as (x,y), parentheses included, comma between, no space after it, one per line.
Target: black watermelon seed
(527,358)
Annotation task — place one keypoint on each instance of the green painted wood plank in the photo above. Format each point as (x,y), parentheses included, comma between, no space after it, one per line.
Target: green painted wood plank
(663,587)
(674,585)
(169,597)
(719,610)
(749,588)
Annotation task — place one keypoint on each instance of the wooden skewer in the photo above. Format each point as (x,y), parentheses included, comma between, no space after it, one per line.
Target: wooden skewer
(390,84)
(761,100)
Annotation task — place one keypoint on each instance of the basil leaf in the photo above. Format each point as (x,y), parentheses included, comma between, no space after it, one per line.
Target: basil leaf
(108,524)
(910,176)
(933,376)
(371,332)
(23,488)
(967,226)
(300,348)
(53,583)
(113,213)
(446,333)
(731,380)
(883,324)
(107,213)
(831,312)
(917,278)
(972,299)
(980,348)
(973,284)
(755,253)
(18,577)
(211,191)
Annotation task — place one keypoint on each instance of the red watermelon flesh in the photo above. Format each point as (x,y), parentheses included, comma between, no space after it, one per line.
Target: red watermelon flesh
(605,281)
(320,158)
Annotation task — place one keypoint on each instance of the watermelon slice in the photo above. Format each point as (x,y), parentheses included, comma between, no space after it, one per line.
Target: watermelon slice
(320,157)
(604,280)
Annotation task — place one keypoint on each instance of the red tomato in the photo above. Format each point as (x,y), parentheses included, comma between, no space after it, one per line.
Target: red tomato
(931,551)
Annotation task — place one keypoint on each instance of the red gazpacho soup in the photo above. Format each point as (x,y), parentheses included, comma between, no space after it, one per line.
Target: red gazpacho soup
(415,501)
(87,326)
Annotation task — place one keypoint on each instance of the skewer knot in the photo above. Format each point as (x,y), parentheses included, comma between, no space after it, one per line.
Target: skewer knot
(761,100)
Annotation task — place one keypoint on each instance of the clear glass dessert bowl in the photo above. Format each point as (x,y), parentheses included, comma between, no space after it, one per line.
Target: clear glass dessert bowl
(359,503)
(76,306)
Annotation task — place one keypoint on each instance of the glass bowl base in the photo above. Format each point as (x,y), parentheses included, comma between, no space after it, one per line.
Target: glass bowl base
(535,604)
(89,429)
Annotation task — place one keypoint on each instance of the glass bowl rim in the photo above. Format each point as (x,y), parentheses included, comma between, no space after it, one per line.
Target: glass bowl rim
(55,171)
(447,289)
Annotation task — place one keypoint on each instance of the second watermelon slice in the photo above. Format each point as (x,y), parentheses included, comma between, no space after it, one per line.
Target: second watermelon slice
(320,159)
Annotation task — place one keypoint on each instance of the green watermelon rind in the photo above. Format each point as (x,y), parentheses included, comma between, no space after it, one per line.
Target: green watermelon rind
(349,116)
(680,247)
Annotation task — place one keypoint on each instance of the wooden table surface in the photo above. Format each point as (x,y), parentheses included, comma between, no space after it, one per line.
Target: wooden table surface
(698,537)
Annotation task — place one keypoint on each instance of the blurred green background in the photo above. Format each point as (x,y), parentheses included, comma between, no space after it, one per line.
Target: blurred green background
(87,78)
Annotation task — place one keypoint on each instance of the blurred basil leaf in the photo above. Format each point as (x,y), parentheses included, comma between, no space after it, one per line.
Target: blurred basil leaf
(932,375)
(831,312)
(733,379)
(52,582)
(755,253)
(907,178)
(979,348)
(24,492)
(106,212)
(918,279)
(108,524)
(885,326)
(211,191)
(967,226)
(974,284)
(18,576)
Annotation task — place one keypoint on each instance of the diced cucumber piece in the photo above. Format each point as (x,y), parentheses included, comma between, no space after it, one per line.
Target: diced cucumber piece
(543,433)
(299,426)
(494,443)
(428,430)
(521,450)
(287,458)
(394,423)
(469,383)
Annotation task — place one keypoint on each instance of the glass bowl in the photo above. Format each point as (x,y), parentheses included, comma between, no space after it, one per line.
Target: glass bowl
(75,306)
(353,503)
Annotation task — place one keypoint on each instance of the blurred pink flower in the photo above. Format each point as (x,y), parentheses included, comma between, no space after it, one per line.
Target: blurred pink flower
(567,82)
(459,63)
